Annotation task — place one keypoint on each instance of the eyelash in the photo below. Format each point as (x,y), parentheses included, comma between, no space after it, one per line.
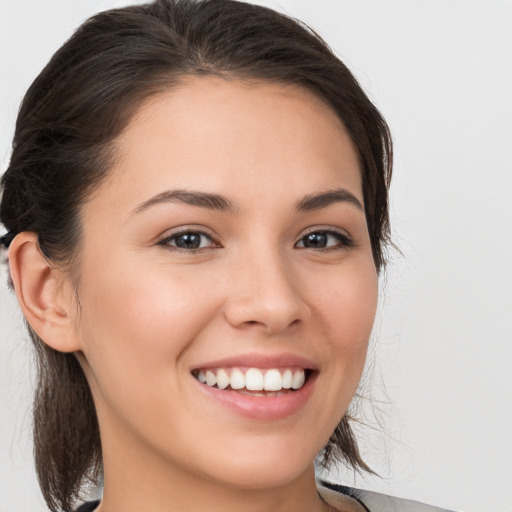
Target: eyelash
(345,241)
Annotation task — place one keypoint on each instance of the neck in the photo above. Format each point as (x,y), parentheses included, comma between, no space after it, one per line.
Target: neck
(135,479)
(170,492)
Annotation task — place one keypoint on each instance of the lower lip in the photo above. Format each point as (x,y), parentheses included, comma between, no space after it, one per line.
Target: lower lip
(261,407)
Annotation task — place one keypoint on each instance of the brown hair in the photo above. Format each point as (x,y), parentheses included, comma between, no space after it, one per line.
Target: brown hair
(82,101)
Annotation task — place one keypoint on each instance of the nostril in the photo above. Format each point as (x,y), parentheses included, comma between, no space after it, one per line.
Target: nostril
(275,314)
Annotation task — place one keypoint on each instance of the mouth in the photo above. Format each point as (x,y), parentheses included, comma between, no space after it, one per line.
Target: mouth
(260,387)
(252,381)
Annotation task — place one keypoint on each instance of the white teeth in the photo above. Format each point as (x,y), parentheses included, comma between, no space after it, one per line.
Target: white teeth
(287,379)
(254,379)
(222,379)
(237,379)
(298,379)
(211,380)
(273,381)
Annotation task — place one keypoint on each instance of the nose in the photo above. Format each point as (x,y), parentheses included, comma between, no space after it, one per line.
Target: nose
(265,294)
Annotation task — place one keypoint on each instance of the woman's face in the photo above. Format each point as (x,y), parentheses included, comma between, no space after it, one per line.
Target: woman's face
(229,241)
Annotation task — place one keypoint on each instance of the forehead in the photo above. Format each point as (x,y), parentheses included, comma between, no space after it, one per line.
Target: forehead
(212,133)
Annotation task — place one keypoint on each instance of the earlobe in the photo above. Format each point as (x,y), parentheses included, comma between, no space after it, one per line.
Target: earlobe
(44,294)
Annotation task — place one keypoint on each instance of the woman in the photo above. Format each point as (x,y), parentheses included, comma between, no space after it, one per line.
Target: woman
(196,211)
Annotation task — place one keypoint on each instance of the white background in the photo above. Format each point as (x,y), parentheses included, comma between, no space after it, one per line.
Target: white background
(441,73)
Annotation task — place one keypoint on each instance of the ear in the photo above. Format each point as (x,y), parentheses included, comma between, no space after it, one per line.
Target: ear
(44,293)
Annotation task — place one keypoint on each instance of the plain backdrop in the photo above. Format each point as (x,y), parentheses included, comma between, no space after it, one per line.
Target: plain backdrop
(441,73)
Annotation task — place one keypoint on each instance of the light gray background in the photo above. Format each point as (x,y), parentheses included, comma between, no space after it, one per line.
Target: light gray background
(441,72)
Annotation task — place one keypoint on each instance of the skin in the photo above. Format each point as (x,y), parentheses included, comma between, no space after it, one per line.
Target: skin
(149,312)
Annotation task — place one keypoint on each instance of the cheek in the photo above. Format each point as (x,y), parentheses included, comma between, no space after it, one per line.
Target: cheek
(344,301)
(347,302)
(355,305)
(346,309)
(136,325)
(140,321)
(145,301)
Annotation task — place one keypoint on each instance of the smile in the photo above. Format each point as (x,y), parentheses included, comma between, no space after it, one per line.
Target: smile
(262,387)
(268,381)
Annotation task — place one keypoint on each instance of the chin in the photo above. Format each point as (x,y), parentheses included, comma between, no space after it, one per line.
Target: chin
(259,477)
(261,465)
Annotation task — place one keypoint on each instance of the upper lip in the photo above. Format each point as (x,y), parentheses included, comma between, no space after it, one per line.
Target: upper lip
(254,360)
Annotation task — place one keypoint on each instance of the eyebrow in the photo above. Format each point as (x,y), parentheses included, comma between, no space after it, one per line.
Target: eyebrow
(221,203)
(200,199)
(323,199)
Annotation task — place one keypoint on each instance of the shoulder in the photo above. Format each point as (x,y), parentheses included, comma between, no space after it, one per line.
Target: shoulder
(372,501)
(90,506)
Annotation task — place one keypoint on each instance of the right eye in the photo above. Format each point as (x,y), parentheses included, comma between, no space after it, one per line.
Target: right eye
(188,240)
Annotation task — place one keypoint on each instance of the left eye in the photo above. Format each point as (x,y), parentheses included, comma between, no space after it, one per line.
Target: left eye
(188,240)
(324,240)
